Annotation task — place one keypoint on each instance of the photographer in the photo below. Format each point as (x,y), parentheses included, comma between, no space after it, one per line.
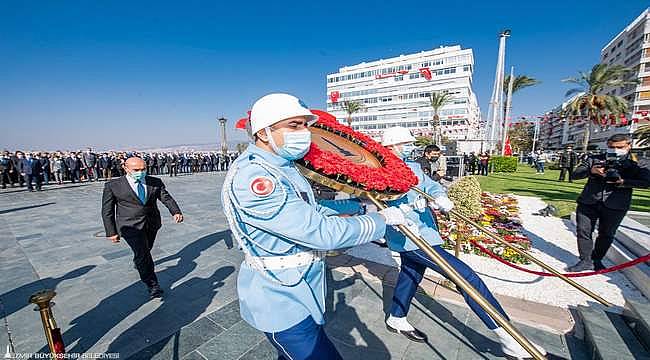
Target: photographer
(605,198)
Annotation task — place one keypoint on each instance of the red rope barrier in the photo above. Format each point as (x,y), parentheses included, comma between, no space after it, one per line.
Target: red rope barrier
(624,265)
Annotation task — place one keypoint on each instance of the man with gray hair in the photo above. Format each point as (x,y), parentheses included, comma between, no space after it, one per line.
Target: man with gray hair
(606,198)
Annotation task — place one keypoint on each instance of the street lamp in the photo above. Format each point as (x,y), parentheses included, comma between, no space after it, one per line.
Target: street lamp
(224,144)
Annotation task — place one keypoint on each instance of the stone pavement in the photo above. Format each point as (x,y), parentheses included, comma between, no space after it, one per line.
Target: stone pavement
(54,239)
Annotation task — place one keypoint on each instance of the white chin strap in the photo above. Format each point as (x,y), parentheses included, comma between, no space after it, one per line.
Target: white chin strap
(267,131)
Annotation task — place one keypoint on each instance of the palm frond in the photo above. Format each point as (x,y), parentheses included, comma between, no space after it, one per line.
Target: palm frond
(439,99)
(642,134)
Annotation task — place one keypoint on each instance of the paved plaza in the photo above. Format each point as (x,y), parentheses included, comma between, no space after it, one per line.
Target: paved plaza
(54,239)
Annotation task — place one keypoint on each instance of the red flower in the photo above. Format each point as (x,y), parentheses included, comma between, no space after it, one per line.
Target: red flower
(393,176)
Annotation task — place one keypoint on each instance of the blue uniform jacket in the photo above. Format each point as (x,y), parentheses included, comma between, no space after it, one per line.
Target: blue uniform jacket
(424,220)
(272,212)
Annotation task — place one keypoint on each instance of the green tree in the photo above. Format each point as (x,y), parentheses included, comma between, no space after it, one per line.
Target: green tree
(591,101)
(521,137)
(423,141)
(519,82)
(438,100)
(351,107)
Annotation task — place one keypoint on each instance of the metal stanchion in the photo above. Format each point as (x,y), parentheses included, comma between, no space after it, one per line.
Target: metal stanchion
(52,332)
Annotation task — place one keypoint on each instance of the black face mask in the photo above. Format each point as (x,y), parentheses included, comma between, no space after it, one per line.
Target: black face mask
(434,158)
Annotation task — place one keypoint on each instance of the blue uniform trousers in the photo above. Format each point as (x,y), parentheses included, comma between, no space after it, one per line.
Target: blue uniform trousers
(415,262)
(305,340)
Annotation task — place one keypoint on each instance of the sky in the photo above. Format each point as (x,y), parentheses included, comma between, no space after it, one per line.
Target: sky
(134,74)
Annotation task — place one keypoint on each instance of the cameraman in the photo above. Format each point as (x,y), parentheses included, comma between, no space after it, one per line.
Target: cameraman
(605,198)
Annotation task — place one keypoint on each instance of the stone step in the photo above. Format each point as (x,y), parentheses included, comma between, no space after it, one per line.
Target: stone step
(632,241)
(639,275)
(609,337)
(637,314)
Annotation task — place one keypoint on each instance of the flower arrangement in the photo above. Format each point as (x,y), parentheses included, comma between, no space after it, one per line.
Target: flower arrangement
(394,176)
(499,215)
(466,195)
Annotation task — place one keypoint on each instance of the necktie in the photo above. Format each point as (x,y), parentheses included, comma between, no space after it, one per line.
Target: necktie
(141,195)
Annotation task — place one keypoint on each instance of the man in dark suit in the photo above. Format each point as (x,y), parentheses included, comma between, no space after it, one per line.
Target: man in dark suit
(568,160)
(17,160)
(31,169)
(605,199)
(6,170)
(129,210)
(74,168)
(89,162)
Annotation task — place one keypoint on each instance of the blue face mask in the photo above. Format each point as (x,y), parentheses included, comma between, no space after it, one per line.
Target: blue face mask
(138,175)
(407,150)
(296,144)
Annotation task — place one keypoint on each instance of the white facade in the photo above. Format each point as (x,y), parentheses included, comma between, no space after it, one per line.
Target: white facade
(630,48)
(396,92)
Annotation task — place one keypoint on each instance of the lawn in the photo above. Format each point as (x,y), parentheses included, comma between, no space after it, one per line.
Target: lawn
(562,195)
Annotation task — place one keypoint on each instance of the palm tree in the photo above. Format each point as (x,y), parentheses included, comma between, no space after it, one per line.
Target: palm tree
(592,103)
(350,108)
(422,141)
(519,82)
(438,100)
(643,135)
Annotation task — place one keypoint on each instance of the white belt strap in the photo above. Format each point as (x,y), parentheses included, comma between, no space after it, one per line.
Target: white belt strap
(284,262)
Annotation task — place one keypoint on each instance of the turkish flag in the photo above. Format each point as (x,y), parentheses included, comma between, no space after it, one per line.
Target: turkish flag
(243,122)
(508,149)
(426,73)
(334,96)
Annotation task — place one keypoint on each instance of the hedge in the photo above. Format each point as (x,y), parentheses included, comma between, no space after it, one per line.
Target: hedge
(503,163)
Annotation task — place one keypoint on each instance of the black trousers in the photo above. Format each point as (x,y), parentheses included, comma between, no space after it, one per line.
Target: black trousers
(141,243)
(5,178)
(563,173)
(33,178)
(608,222)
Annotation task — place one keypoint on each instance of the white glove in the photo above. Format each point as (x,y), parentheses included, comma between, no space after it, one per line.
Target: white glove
(444,204)
(419,204)
(393,216)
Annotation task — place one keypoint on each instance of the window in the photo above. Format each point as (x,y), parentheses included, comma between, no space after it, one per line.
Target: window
(644,95)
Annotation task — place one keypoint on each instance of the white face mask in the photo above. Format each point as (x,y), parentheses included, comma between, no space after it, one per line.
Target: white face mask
(404,151)
(296,144)
(617,152)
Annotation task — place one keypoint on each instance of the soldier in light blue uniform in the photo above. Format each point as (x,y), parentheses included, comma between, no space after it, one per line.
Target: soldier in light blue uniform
(414,261)
(283,232)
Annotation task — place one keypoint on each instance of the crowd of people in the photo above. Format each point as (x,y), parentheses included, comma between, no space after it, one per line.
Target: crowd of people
(477,164)
(37,168)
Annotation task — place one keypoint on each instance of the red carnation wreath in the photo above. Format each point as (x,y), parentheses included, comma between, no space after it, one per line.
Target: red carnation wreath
(394,176)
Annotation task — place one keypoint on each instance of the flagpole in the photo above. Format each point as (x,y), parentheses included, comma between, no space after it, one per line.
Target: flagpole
(506,121)
(496,100)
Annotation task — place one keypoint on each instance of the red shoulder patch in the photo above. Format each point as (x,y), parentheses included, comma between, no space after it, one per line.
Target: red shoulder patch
(262,186)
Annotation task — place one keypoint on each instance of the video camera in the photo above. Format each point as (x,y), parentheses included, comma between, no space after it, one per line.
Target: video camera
(612,165)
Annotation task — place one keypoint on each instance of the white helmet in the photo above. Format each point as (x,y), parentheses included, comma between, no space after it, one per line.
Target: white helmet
(396,135)
(273,108)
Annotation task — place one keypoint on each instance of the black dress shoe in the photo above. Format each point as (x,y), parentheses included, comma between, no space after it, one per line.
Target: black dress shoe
(155,292)
(598,265)
(414,335)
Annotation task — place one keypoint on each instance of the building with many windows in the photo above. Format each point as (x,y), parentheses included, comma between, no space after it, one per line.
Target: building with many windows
(396,92)
(630,48)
